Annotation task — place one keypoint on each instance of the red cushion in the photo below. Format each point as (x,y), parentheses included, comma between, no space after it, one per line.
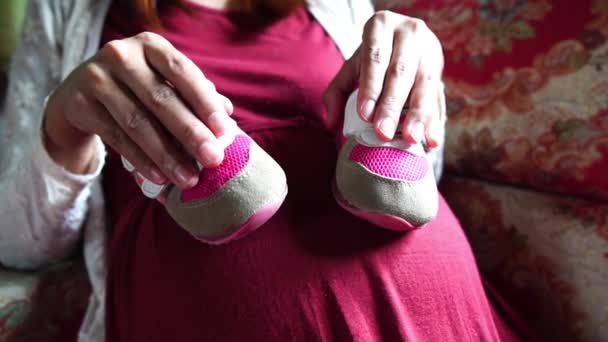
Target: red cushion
(527,88)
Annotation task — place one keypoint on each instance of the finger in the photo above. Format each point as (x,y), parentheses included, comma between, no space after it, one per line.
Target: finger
(398,82)
(423,111)
(436,133)
(100,122)
(147,133)
(374,58)
(217,122)
(228,106)
(191,84)
(338,91)
(162,100)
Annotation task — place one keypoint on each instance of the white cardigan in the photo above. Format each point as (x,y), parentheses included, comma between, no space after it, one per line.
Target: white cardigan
(44,209)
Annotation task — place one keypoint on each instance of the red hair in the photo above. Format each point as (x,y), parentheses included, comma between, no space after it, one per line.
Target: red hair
(148,9)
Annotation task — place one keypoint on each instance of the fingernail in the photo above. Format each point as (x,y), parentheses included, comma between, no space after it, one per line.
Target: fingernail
(431,139)
(218,122)
(417,131)
(387,127)
(210,154)
(183,175)
(157,177)
(367,109)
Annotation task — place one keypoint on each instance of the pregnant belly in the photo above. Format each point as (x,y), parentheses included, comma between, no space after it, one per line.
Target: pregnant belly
(313,272)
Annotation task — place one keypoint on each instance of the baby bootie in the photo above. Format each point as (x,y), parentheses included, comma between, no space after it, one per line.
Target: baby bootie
(390,184)
(230,200)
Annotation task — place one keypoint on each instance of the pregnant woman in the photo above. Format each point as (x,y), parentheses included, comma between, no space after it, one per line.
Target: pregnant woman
(158,82)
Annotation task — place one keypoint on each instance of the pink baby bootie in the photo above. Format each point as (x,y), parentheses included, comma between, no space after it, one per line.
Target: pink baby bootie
(230,200)
(390,184)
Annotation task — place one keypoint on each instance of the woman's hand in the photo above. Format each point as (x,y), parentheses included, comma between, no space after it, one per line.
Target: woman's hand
(147,101)
(400,59)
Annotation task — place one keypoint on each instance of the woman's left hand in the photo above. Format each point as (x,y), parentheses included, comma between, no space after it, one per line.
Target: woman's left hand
(399,62)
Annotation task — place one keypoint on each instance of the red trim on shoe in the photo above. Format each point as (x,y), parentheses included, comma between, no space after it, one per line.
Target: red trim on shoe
(387,221)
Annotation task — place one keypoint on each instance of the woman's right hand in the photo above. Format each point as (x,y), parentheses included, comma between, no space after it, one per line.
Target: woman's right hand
(147,101)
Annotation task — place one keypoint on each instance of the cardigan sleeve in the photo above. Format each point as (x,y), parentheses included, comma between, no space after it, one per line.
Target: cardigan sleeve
(42,205)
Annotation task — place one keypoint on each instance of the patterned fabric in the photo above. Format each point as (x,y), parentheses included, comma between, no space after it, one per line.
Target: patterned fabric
(46,306)
(547,254)
(527,87)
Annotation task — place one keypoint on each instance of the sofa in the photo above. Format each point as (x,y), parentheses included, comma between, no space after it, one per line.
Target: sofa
(527,152)
(526,168)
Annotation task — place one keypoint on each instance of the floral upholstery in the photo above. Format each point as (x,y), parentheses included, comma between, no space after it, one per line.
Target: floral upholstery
(527,93)
(545,253)
(527,86)
(43,306)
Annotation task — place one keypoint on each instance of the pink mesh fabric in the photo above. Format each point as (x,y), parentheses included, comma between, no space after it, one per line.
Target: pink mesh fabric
(390,162)
(211,180)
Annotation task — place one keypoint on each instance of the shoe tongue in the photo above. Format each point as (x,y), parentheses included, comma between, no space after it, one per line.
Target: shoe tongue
(353,124)
(364,131)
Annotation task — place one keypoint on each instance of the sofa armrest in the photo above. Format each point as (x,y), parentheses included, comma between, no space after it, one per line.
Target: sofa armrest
(47,305)
(546,254)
